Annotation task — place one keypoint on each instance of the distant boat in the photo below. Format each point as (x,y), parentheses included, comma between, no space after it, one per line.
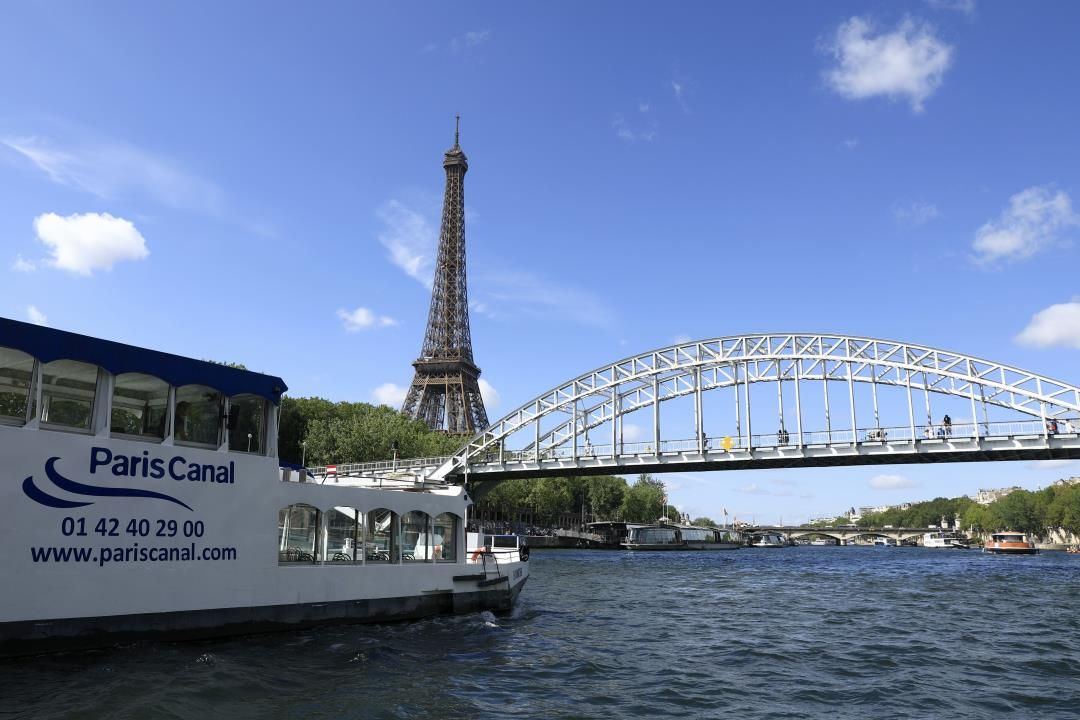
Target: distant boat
(824,541)
(664,536)
(1010,543)
(945,540)
(884,542)
(768,540)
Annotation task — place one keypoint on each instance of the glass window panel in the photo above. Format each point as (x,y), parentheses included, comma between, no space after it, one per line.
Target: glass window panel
(343,534)
(16,377)
(140,405)
(445,539)
(298,534)
(198,415)
(380,541)
(416,536)
(67,393)
(247,419)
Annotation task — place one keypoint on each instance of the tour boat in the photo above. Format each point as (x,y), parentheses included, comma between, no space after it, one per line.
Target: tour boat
(664,536)
(144,499)
(824,541)
(1010,543)
(767,540)
(945,539)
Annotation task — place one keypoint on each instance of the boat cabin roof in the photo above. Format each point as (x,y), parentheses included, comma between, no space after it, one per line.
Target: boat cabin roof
(48,344)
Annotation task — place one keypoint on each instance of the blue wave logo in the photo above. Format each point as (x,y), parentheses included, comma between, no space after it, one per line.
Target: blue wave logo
(36,494)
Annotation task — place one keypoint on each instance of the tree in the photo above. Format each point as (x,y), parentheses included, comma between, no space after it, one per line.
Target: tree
(704,521)
(605,495)
(644,501)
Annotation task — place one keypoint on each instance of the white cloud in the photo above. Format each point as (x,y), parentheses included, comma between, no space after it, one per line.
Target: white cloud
(1056,325)
(88,242)
(643,107)
(362,319)
(752,489)
(110,169)
(514,294)
(851,143)
(967,7)
(412,241)
(917,213)
(681,339)
(623,131)
(1032,221)
(489,394)
(908,62)
(21,264)
(679,88)
(36,316)
(1048,464)
(469,39)
(890,482)
(632,433)
(390,394)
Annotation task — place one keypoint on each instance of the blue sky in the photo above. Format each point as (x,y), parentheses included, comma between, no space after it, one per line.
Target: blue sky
(261,182)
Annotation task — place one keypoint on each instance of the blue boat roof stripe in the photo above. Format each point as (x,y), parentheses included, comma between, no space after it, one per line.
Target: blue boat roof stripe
(48,344)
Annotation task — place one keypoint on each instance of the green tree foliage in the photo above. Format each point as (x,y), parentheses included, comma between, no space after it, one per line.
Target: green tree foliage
(605,494)
(644,500)
(704,522)
(354,432)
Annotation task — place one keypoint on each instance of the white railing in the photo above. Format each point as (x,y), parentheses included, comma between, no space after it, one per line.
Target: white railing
(790,439)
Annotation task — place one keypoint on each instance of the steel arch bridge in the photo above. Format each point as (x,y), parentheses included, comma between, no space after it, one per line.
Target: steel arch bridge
(1034,417)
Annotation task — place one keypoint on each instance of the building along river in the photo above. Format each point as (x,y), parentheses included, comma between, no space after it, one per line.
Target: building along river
(799,632)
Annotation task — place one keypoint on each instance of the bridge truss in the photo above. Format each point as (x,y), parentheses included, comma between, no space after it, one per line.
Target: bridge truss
(1034,417)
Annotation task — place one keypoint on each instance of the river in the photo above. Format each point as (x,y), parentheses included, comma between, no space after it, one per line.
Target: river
(830,632)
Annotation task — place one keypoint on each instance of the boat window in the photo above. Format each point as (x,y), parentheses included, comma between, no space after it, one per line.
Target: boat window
(140,405)
(654,536)
(198,415)
(247,423)
(380,536)
(417,542)
(298,534)
(67,393)
(446,533)
(16,377)
(344,534)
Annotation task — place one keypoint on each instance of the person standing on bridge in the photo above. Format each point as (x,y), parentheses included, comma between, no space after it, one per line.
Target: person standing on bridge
(947,422)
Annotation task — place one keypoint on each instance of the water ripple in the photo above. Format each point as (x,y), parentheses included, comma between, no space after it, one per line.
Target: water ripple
(803,632)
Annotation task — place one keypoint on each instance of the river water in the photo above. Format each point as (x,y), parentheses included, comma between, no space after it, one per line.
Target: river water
(831,632)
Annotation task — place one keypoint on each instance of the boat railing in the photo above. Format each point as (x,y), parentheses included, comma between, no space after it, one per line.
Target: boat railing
(402,481)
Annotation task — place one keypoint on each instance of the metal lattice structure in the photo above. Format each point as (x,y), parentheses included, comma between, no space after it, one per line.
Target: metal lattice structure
(552,430)
(445,391)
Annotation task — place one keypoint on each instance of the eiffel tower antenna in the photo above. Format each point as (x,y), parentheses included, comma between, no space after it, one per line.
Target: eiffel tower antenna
(445,391)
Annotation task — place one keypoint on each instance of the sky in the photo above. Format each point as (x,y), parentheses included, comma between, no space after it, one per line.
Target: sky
(262,182)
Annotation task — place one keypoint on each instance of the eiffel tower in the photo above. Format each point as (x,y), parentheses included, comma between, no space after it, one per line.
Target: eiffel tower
(445,392)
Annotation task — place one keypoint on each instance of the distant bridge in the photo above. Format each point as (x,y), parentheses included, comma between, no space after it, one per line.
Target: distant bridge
(844,535)
(828,400)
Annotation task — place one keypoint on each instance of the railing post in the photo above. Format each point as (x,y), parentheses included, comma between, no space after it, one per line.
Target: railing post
(971,392)
(536,427)
(698,430)
(738,409)
(798,400)
(749,430)
(1042,410)
(573,432)
(656,413)
(825,385)
(851,399)
(910,406)
(614,420)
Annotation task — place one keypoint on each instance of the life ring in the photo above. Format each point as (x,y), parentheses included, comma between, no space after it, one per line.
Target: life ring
(524,553)
(478,553)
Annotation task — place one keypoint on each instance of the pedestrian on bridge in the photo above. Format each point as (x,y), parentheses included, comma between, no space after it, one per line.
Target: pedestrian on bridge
(947,422)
